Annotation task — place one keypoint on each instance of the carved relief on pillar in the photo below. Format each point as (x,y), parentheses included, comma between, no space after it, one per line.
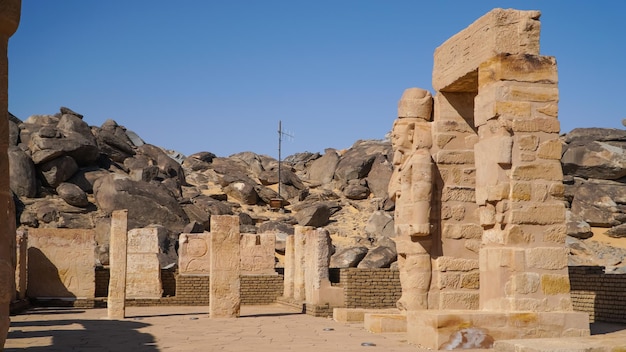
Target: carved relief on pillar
(411,188)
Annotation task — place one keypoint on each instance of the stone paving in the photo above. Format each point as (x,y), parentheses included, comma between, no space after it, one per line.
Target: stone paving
(260,328)
(175,328)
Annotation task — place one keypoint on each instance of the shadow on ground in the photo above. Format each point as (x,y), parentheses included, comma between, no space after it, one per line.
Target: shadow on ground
(79,335)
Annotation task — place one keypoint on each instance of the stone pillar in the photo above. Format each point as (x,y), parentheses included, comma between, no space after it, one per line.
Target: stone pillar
(224,282)
(9,20)
(21,276)
(289,267)
(411,188)
(299,239)
(318,289)
(257,254)
(519,189)
(143,274)
(116,302)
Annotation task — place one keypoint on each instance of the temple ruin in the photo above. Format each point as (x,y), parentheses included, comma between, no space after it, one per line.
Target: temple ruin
(480,219)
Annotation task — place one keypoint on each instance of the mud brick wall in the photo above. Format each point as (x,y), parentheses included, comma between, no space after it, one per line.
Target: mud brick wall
(370,288)
(192,290)
(168,282)
(261,289)
(602,296)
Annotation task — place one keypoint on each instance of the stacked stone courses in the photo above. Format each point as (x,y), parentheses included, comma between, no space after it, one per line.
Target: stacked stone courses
(370,288)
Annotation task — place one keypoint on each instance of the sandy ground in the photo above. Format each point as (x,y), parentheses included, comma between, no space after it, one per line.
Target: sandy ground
(599,236)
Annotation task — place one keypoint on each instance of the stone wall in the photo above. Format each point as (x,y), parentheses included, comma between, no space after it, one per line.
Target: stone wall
(370,288)
(193,290)
(599,294)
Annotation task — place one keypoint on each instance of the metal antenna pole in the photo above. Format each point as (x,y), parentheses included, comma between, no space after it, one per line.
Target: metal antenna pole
(280,138)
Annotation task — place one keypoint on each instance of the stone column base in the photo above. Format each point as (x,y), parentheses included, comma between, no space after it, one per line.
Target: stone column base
(449,329)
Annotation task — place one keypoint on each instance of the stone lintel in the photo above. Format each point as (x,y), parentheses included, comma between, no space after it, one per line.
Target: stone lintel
(499,31)
(438,329)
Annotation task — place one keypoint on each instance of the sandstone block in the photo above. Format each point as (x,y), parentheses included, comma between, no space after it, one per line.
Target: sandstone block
(118,248)
(379,323)
(499,31)
(518,68)
(523,283)
(548,125)
(549,258)
(458,231)
(538,214)
(194,253)
(61,263)
(224,293)
(547,170)
(555,284)
(550,150)
(527,142)
(444,263)
(458,194)
(455,157)
(416,103)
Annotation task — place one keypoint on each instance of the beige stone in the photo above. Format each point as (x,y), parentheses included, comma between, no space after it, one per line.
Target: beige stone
(118,249)
(288,275)
(518,68)
(548,125)
(318,289)
(455,157)
(225,281)
(555,284)
(355,315)
(550,150)
(550,258)
(143,270)
(380,323)
(416,103)
(299,292)
(21,272)
(499,31)
(194,253)
(538,214)
(61,263)
(257,254)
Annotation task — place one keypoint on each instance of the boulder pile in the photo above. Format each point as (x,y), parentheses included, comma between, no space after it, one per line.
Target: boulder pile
(67,174)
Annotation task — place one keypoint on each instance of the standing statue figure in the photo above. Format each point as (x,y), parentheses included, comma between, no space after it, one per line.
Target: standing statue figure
(411,188)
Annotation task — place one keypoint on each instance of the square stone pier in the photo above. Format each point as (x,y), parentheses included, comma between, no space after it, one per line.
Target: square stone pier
(497,218)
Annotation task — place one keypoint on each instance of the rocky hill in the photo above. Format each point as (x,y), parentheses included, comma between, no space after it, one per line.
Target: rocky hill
(67,174)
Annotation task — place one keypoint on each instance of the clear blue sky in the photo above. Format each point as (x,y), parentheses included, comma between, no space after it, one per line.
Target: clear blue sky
(201,75)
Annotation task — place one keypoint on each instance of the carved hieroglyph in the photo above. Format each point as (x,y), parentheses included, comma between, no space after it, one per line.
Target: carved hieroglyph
(9,20)
(225,281)
(257,254)
(194,253)
(143,273)
(61,263)
(118,250)
(411,188)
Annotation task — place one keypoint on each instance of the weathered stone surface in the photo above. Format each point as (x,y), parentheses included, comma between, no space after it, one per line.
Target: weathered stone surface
(257,253)
(143,275)
(116,300)
(603,160)
(58,170)
(145,202)
(314,215)
(378,257)
(512,32)
(225,301)
(577,227)
(22,173)
(598,202)
(348,257)
(380,224)
(72,195)
(61,263)
(194,253)
(356,191)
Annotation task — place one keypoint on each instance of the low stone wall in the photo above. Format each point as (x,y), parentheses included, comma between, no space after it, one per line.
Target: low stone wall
(370,288)
(602,296)
(193,290)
